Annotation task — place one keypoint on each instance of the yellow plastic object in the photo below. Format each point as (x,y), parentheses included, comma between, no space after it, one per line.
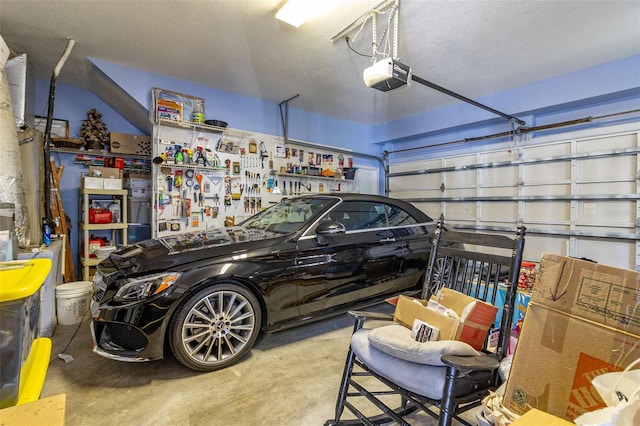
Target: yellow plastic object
(24,359)
(22,278)
(48,411)
(34,371)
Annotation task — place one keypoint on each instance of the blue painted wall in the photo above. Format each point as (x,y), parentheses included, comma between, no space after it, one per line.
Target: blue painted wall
(72,104)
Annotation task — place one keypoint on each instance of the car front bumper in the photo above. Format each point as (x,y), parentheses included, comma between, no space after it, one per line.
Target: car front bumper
(118,334)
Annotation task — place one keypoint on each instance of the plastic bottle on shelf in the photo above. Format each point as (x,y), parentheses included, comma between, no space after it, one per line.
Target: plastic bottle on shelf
(197,116)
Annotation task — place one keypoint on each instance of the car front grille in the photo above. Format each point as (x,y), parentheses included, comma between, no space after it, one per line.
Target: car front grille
(126,336)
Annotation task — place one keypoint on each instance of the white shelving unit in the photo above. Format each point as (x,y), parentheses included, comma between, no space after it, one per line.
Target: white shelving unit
(86,227)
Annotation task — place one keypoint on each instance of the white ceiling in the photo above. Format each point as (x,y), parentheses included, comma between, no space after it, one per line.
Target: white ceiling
(474,48)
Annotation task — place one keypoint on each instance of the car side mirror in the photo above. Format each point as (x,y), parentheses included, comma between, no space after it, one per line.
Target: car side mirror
(326,229)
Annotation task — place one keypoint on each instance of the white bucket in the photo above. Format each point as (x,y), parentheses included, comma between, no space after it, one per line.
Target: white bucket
(73,301)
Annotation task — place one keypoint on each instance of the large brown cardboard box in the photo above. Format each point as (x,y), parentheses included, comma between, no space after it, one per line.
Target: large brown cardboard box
(582,322)
(475,316)
(592,291)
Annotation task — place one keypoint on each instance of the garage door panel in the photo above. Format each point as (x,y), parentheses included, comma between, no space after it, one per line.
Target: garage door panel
(500,211)
(415,165)
(607,168)
(537,244)
(547,172)
(497,176)
(461,160)
(610,252)
(461,211)
(547,212)
(608,143)
(460,192)
(622,213)
(403,193)
(461,179)
(499,191)
(606,188)
(547,190)
(415,183)
(432,210)
(546,150)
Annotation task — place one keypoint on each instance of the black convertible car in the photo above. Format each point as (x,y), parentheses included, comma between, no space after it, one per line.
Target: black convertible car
(209,294)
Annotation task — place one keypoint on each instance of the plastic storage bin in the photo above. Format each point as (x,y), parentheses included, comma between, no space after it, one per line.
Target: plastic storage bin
(23,357)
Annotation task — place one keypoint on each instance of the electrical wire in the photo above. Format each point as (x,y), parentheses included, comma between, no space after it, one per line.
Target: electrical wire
(72,337)
(354,50)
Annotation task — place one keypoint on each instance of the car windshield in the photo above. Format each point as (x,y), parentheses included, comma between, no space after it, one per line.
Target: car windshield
(288,215)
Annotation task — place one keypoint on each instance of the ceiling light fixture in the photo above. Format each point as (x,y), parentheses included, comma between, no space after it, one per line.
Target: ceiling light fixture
(297,12)
(293,13)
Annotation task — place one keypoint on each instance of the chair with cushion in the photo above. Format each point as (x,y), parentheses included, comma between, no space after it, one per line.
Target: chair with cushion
(389,375)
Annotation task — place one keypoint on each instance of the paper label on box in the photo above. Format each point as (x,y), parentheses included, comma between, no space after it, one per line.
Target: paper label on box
(424,332)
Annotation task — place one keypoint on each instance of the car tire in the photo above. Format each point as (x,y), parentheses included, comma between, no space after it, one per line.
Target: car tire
(215,327)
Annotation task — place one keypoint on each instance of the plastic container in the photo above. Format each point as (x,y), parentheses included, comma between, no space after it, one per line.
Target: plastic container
(8,248)
(23,357)
(73,301)
(349,173)
(104,251)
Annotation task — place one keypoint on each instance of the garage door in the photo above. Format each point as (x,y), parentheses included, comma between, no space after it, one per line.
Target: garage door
(576,196)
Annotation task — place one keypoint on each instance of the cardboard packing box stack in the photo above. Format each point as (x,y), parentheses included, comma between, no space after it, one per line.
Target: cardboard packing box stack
(474,317)
(583,321)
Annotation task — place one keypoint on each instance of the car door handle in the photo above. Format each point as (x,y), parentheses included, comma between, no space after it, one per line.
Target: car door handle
(388,240)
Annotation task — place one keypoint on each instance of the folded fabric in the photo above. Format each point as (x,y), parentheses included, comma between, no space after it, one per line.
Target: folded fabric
(396,340)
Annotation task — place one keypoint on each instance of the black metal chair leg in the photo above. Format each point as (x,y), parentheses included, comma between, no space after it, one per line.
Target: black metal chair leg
(344,385)
(346,376)
(448,404)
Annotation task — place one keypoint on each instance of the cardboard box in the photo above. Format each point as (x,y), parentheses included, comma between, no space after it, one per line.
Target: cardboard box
(557,357)
(535,417)
(475,316)
(126,143)
(89,182)
(581,322)
(105,172)
(112,184)
(592,291)
(103,178)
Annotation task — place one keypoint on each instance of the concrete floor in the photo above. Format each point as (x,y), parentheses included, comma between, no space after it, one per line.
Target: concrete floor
(289,378)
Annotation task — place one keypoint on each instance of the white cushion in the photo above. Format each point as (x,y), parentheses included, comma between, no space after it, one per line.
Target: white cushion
(396,340)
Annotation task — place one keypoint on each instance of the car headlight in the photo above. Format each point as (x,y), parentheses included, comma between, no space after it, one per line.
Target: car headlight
(140,288)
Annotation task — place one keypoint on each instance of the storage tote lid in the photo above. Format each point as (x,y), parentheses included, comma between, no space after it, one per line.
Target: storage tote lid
(22,278)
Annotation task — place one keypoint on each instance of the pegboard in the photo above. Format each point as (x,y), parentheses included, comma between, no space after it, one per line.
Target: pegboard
(205,176)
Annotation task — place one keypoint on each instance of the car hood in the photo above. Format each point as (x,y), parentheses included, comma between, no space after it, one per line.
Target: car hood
(168,253)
